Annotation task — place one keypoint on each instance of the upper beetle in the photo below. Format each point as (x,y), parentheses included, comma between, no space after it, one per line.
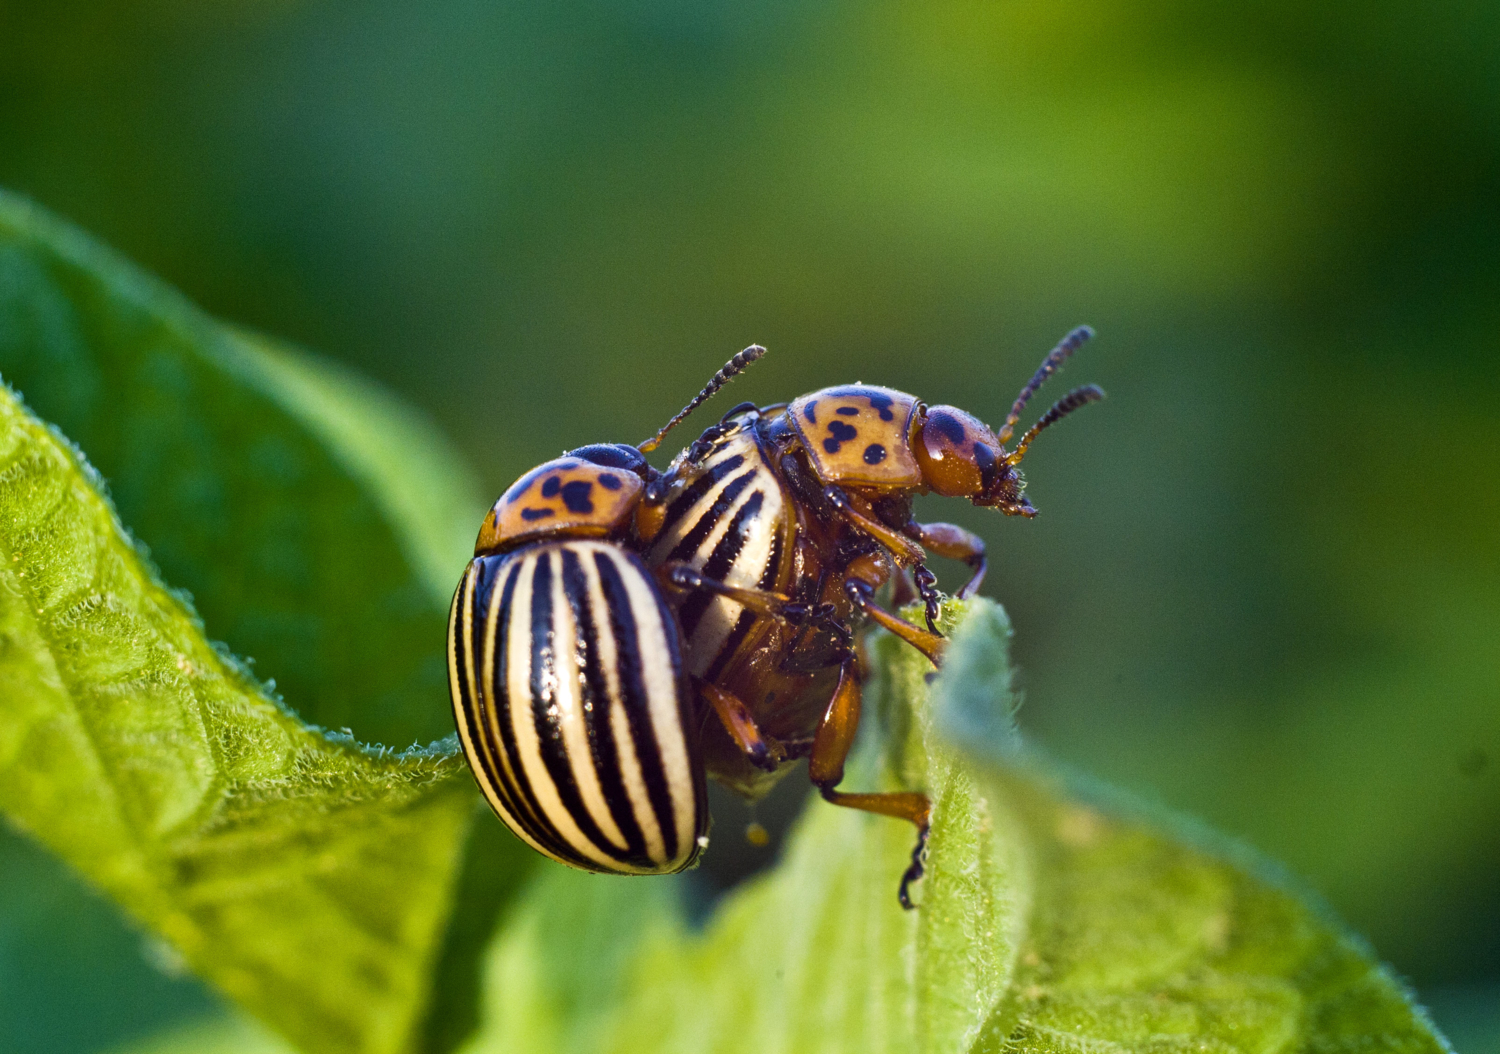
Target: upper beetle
(865,442)
(780,523)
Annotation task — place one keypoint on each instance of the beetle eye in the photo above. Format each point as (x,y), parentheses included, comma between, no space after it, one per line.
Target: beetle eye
(951,451)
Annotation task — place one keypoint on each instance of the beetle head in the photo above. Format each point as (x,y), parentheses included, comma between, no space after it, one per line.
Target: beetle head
(962,458)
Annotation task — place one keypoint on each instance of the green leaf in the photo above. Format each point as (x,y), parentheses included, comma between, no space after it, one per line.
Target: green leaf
(219,1035)
(307,877)
(317,524)
(1051,919)
(342,893)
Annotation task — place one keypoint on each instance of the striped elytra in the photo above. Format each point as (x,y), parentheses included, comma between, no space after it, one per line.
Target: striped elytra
(574,709)
(730,523)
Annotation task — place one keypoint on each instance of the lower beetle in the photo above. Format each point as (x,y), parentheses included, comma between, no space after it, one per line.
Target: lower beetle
(566,674)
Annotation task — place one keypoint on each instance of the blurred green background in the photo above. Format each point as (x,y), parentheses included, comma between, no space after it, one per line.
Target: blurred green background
(1265,584)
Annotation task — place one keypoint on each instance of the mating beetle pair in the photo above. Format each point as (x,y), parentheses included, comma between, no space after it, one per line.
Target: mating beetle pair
(607,603)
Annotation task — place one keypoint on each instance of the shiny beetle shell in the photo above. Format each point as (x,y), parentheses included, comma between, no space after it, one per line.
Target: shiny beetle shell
(859,434)
(732,523)
(565,496)
(574,709)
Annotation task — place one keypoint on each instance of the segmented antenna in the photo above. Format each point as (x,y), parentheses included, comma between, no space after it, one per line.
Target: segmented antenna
(731,369)
(1089,393)
(1055,358)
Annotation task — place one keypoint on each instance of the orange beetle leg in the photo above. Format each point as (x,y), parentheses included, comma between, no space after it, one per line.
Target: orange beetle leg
(764,753)
(930,644)
(682,576)
(831,745)
(906,551)
(952,541)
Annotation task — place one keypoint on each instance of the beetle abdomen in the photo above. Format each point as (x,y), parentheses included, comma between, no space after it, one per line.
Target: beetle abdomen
(728,523)
(566,675)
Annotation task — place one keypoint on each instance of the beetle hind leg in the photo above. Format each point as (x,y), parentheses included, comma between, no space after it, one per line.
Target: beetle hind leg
(683,576)
(825,767)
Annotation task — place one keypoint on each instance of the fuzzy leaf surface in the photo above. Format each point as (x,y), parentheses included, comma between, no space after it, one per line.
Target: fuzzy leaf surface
(342,894)
(1053,918)
(318,523)
(307,877)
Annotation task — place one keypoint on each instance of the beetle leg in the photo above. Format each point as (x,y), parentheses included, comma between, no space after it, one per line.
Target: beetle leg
(930,644)
(683,576)
(825,767)
(906,551)
(764,753)
(952,541)
(927,589)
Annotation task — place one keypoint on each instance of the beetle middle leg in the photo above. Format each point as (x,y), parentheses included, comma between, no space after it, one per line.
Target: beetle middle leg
(906,551)
(685,577)
(825,767)
(763,752)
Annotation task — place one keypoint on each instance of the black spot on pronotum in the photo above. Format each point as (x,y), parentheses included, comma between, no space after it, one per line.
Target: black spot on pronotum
(839,433)
(551,487)
(609,482)
(531,515)
(810,411)
(947,426)
(984,460)
(874,454)
(575,495)
(848,411)
(882,403)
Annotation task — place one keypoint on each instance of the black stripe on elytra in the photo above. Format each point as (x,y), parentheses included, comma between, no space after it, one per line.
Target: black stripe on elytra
(731,644)
(547,669)
(635,700)
(530,815)
(493,697)
(747,617)
(460,634)
(597,705)
(720,560)
(688,547)
(483,573)
(772,572)
(701,486)
(686,707)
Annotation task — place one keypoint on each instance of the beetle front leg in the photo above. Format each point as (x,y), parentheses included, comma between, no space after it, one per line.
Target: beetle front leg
(952,541)
(862,595)
(825,767)
(685,577)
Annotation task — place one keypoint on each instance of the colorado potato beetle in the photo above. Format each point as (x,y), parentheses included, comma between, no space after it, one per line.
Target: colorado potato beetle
(611,612)
(566,673)
(778,525)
